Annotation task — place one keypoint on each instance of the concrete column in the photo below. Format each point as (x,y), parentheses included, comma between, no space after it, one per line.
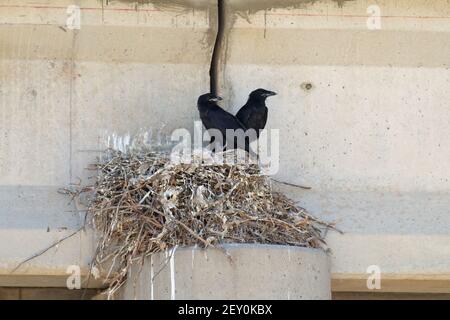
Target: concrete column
(239,272)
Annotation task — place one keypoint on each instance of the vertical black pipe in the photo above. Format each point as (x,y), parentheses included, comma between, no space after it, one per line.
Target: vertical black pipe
(215,60)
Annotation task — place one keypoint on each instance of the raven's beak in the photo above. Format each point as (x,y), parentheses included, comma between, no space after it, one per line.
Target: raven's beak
(271,93)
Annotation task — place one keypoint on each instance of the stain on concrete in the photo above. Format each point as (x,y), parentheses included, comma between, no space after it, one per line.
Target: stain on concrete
(341,2)
(183,7)
(232,9)
(30,94)
(252,6)
(307,86)
(173,4)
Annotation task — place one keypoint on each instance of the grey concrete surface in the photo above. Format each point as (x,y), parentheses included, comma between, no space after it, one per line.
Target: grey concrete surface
(363,116)
(131,66)
(256,272)
(364,120)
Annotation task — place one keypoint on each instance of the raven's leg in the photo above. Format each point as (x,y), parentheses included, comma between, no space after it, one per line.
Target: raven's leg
(216,146)
(249,150)
(211,143)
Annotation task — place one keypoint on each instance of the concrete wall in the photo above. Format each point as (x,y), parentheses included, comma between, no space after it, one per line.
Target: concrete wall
(130,66)
(255,272)
(370,133)
(363,117)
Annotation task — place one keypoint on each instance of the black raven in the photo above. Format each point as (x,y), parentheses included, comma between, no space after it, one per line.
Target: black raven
(253,115)
(214,117)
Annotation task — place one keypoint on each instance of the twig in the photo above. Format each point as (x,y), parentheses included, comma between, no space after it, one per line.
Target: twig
(292,185)
(46,249)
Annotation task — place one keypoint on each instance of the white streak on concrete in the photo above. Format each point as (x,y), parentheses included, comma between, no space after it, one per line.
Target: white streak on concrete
(151,278)
(172,274)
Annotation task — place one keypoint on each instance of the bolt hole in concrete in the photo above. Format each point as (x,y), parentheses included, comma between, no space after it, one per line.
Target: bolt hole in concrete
(307,86)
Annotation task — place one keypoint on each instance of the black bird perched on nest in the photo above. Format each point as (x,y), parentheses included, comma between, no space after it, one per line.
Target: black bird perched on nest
(253,115)
(214,117)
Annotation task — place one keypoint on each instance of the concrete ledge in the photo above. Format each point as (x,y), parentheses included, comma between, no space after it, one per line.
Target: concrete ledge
(238,272)
(391,283)
(47,294)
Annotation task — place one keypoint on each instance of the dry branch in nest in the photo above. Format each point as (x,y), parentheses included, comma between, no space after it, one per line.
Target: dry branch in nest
(142,203)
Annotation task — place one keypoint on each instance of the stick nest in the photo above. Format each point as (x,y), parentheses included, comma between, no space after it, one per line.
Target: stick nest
(142,203)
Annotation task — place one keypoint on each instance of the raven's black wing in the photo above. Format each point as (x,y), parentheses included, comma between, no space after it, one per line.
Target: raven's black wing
(258,118)
(261,118)
(206,120)
(243,115)
(223,120)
